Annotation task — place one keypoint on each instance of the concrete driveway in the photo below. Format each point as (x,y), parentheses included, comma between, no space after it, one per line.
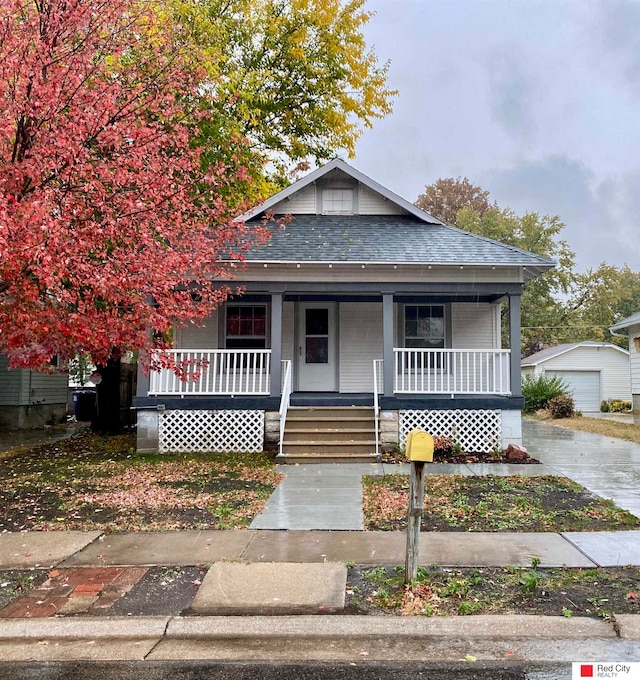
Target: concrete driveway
(608,467)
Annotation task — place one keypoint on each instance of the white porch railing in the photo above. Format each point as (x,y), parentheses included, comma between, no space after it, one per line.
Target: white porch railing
(452,371)
(214,372)
(287,386)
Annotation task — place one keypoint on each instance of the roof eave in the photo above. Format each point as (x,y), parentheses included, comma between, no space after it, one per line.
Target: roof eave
(632,320)
(529,271)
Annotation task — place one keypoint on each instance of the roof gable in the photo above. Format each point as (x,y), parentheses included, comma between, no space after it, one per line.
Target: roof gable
(558,350)
(333,170)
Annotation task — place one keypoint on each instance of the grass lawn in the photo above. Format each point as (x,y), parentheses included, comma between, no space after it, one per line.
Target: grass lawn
(93,482)
(495,590)
(491,503)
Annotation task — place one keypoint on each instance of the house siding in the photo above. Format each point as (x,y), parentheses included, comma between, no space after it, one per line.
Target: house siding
(10,384)
(612,365)
(634,358)
(360,343)
(473,326)
(370,203)
(199,337)
(302,202)
(19,387)
(43,388)
(31,399)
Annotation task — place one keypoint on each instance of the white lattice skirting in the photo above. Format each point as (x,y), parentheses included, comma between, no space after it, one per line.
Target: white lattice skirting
(475,430)
(193,431)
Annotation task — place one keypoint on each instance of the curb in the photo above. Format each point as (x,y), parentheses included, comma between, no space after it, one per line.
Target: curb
(499,626)
(318,638)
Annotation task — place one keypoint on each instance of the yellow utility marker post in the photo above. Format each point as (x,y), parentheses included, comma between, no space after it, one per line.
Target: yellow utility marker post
(419,452)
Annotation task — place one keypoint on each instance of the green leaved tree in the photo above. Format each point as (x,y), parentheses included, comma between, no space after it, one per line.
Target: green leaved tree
(290,81)
(467,207)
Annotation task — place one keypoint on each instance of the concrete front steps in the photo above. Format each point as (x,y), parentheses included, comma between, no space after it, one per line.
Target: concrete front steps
(327,434)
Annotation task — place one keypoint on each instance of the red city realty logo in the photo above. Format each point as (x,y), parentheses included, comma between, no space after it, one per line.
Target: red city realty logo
(586,671)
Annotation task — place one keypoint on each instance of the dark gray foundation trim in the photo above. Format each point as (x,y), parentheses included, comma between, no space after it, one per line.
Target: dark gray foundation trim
(405,402)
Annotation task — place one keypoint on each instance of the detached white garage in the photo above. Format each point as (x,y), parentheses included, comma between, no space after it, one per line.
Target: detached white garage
(593,371)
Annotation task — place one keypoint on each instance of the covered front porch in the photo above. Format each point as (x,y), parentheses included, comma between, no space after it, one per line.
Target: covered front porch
(444,340)
(400,355)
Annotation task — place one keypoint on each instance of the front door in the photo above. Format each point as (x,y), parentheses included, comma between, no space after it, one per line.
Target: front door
(317,347)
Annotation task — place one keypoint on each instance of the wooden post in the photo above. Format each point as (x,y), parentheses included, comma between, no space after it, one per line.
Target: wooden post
(416,506)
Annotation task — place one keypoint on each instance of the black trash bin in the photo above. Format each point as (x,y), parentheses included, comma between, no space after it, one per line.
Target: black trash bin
(84,404)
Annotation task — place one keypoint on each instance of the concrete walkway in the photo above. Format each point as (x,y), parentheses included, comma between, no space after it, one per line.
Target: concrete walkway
(15,439)
(329,497)
(322,496)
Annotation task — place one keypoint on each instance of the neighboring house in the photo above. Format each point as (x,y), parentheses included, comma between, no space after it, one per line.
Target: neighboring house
(593,371)
(630,328)
(366,311)
(30,398)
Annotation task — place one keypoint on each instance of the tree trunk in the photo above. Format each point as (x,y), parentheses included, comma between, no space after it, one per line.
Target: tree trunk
(107,420)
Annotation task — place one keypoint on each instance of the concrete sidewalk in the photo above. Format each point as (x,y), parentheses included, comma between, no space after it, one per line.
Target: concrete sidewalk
(93,549)
(264,572)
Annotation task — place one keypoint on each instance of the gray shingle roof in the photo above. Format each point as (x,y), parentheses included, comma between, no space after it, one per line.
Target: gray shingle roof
(391,239)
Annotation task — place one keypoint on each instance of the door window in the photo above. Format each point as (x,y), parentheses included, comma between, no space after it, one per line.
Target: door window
(316,336)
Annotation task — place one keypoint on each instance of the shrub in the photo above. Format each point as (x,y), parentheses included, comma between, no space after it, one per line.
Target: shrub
(615,406)
(561,406)
(443,446)
(537,390)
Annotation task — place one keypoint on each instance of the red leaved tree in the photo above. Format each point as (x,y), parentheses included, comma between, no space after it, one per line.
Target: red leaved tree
(111,231)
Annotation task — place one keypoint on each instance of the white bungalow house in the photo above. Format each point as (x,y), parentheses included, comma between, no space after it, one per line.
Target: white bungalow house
(630,328)
(361,320)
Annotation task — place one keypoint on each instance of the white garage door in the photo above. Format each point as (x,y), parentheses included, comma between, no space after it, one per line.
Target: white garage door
(585,386)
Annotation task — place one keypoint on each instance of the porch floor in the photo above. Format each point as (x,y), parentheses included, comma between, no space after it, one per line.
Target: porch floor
(331,399)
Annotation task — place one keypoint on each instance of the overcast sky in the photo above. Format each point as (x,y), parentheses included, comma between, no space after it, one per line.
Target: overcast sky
(537,101)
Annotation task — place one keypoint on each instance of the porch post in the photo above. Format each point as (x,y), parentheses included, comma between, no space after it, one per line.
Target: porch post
(387,344)
(514,344)
(276,344)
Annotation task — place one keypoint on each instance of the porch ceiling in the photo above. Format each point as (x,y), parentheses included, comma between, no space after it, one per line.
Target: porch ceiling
(369,291)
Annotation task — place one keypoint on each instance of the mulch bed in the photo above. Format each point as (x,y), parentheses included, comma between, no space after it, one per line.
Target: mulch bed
(391,457)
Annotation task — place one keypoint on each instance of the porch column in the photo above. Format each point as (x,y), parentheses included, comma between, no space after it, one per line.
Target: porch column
(514,344)
(276,344)
(143,379)
(387,343)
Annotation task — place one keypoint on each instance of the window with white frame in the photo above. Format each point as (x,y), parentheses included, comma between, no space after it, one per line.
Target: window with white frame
(246,327)
(424,326)
(424,329)
(337,202)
